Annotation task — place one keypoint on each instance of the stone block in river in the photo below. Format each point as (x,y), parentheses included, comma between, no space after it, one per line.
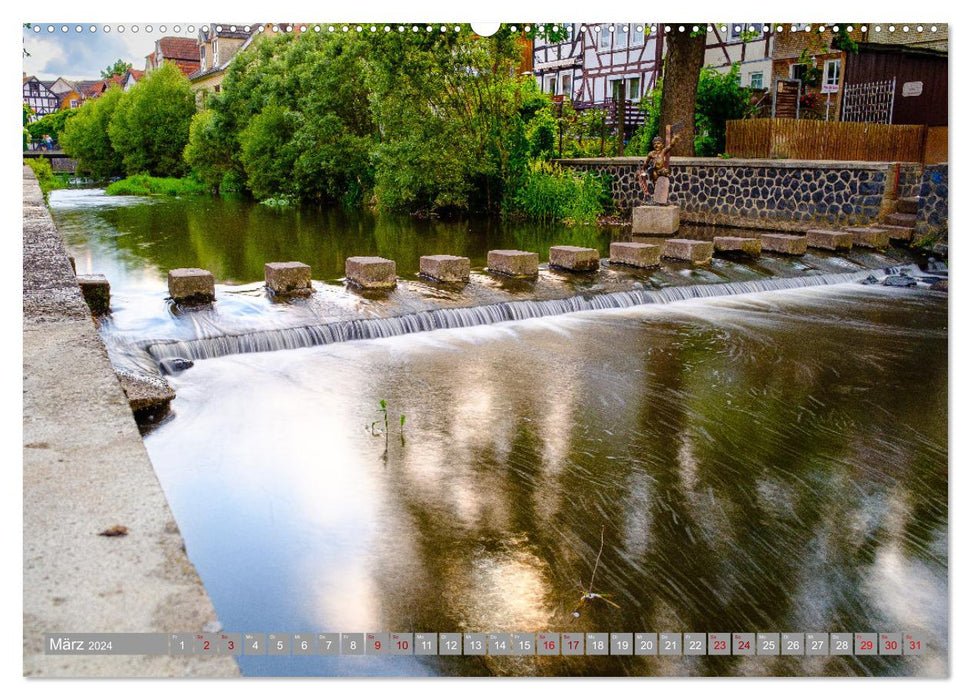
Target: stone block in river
(574,258)
(738,245)
(371,272)
(783,243)
(515,263)
(697,252)
(656,220)
(190,285)
(288,277)
(635,254)
(829,240)
(148,396)
(870,237)
(96,292)
(898,233)
(445,268)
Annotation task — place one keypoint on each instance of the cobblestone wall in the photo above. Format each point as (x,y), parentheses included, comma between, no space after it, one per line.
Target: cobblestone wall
(773,194)
(932,211)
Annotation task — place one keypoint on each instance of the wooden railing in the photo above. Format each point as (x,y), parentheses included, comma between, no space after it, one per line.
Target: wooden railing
(813,139)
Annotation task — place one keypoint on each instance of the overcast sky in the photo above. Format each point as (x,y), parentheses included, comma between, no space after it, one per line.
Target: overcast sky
(83,55)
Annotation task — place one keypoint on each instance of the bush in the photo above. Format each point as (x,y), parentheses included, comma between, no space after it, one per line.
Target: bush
(51,125)
(268,152)
(85,137)
(150,126)
(720,98)
(142,185)
(45,175)
(209,151)
(550,193)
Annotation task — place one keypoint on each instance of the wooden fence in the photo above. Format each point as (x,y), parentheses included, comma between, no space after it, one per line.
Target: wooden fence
(813,139)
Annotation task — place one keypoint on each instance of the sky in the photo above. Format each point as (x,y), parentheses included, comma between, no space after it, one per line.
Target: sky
(83,55)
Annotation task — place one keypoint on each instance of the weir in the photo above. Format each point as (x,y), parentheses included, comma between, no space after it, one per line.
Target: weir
(371,328)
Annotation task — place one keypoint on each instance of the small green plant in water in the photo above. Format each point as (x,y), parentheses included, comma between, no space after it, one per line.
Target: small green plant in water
(383,409)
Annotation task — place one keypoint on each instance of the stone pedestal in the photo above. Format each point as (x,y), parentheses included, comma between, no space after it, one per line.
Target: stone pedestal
(514,263)
(96,292)
(829,240)
(635,254)
(737,245)
(288,278)
(783,243)
(662,190)
(371,272)
(445,268)
(697,252)
(574,258)
(870,237)
(190,285)
(656,220)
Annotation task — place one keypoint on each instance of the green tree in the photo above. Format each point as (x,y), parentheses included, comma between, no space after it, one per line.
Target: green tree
(720,98)
(119,67)
(268,152)
(150,127)
(85,136)
(209,151)
(50,124)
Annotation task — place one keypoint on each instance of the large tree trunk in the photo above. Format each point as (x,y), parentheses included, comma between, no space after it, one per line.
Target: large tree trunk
(682,67)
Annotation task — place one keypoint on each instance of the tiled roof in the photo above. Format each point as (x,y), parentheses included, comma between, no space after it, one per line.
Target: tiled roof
(179,48)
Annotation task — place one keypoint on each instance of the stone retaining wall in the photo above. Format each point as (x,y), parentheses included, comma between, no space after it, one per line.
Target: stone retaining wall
(932,212)
(769,194)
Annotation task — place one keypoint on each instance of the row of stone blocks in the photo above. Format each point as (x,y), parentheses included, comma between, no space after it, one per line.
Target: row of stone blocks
(192,285)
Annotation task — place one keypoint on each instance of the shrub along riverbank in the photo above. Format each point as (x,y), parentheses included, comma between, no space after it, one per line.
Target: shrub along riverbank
(146,185)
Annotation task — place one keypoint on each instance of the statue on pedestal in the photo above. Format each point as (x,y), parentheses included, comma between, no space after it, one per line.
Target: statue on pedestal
(657,167)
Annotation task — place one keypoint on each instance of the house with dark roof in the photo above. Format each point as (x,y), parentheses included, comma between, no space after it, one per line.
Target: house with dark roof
(217,44)
(182,51)
(39,97)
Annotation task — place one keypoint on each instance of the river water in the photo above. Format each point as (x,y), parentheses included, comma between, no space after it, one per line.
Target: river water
(769,462)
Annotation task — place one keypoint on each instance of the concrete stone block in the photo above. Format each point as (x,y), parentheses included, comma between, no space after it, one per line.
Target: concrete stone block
(371,272)
(288,277)
(737,245)
(574,258)
(635,254)
(697,252)
(445,268)
(191,285)
(148,397)
(656,220)
(829,240)
(96,292)
(515,263)
(898,233)
(783,243)
(870,237)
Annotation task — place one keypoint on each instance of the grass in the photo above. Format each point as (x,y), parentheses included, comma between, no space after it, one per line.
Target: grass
(551,193)
(141,185)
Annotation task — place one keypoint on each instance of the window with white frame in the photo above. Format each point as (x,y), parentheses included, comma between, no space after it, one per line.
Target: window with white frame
(637,35)
(566,84)
(551,85)
(831,75)
(604,43)
(633,89)
(755,80)
(620,36)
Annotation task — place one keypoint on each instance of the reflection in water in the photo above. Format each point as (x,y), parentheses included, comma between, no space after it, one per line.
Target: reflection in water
(772,462)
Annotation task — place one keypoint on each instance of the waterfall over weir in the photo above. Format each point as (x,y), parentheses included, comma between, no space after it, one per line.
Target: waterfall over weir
(366,329)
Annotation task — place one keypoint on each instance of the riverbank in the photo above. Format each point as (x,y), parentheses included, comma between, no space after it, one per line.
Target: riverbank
(86,470)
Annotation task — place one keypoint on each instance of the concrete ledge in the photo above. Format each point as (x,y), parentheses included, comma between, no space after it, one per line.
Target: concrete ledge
(898,233)
(829,240)
(784,244)
(635,254)
(85,470)
(697,252)
(681,161)
(445,268)
(574,258)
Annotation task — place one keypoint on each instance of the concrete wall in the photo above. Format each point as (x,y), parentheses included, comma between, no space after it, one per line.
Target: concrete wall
(86,470)
(932,212)
(772,194)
